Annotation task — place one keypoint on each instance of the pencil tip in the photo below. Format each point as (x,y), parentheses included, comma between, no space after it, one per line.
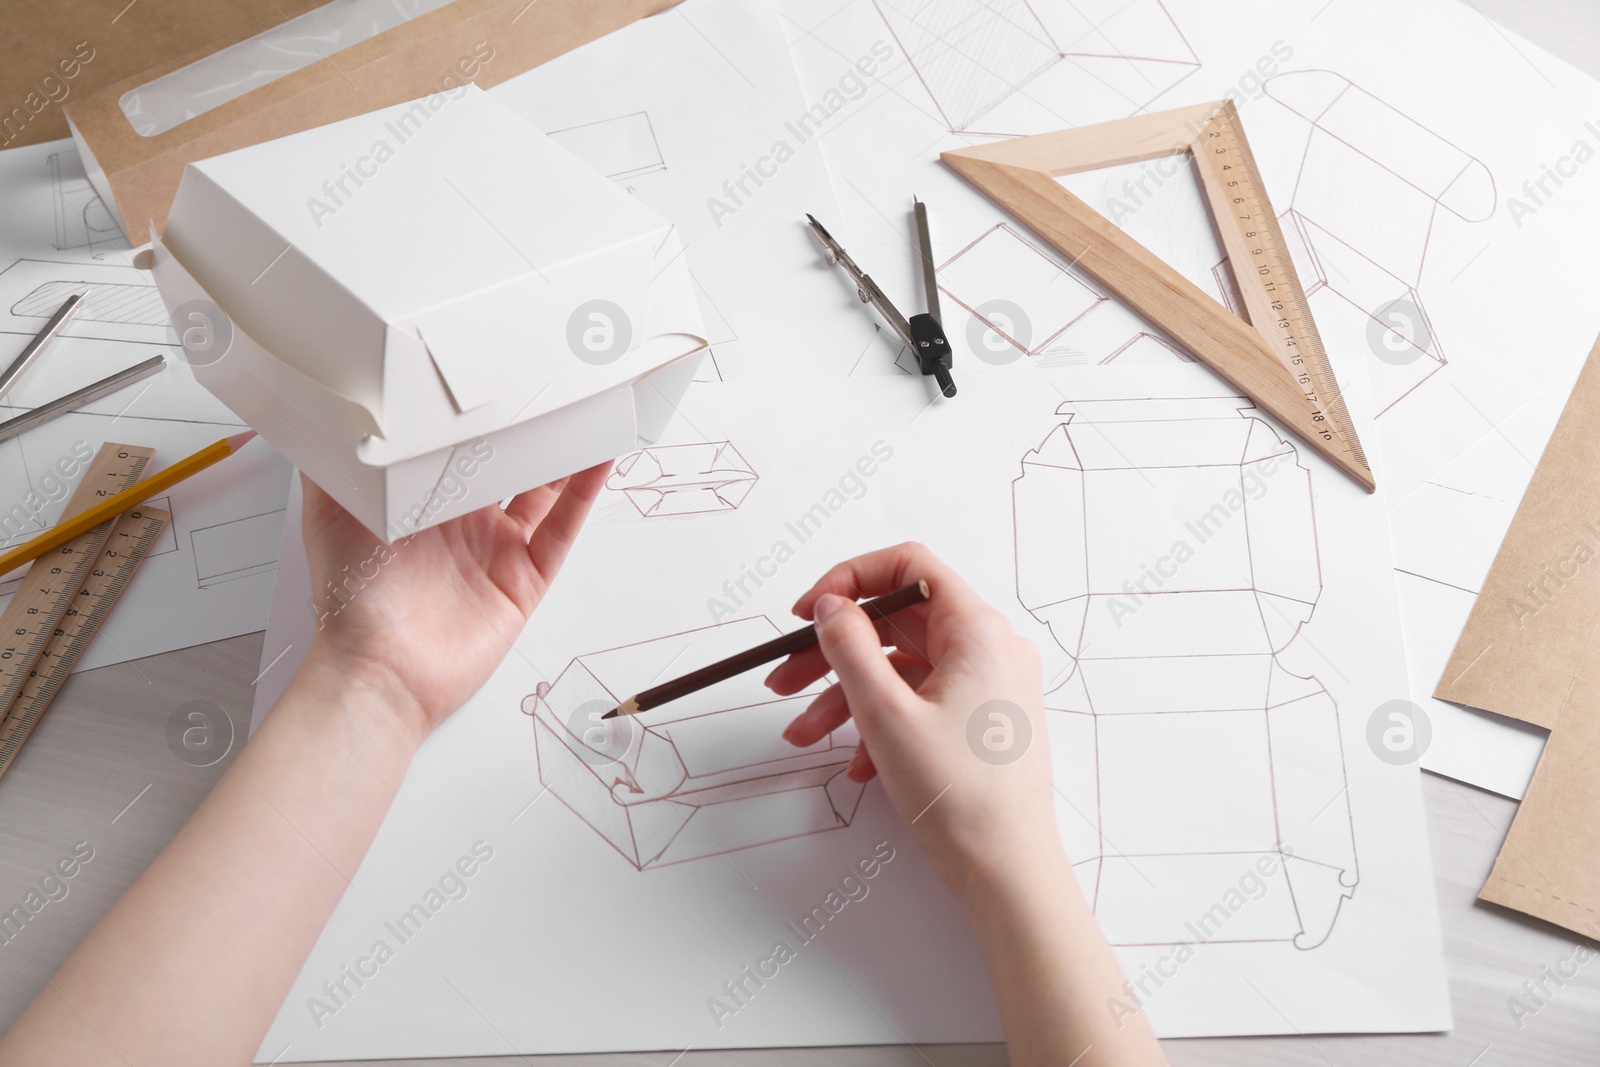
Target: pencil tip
(239,440)
(612,714)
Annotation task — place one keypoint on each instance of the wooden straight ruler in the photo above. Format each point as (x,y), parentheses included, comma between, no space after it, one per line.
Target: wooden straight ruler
(132,536)
(1277,358)
(66,594)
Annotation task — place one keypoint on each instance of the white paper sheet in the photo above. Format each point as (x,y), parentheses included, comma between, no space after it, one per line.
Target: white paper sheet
(582,891)
(292,617)
(1432,176)
(210,576)
(690,110)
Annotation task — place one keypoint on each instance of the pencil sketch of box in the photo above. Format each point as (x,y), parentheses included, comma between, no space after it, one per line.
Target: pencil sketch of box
(1170,548)
(704,775)
(987,66)
(684,479)
(1363,259)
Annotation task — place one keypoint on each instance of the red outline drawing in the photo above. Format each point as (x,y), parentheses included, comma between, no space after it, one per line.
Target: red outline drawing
(1371,251)
(691,479)
(705,775)
(1186,750)
(974,56)
(1146,347)
(1001,264)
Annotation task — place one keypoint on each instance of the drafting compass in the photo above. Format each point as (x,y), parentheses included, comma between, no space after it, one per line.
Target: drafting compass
(923,334)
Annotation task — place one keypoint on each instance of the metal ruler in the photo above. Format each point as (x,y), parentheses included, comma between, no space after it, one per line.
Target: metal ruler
(129,542)
(1275,302)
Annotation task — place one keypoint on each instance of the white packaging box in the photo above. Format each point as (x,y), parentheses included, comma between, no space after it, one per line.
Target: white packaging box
(392,298)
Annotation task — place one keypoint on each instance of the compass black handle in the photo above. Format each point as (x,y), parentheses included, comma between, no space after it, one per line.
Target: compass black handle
(933,351)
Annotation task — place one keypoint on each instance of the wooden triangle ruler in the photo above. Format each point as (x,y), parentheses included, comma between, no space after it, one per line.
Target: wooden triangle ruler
(1280,362)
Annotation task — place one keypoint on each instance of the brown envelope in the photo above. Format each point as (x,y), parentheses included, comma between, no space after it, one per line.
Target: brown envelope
(1539,608)
(55,51)
(430,53)
(1531,651)
(1549,866)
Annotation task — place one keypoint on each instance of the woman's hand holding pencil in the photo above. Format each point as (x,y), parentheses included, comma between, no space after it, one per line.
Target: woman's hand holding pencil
(986,818)
(950,655)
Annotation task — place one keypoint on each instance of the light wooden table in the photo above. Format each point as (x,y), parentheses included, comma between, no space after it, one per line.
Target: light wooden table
(99,769)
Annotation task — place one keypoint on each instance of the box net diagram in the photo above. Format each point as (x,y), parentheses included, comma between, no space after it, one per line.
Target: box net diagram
(1169,546)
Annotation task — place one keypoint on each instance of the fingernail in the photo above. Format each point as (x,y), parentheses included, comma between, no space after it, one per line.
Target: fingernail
(825,606)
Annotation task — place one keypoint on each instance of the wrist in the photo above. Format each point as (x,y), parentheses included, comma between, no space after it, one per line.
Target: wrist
(1009,878)
(366,691)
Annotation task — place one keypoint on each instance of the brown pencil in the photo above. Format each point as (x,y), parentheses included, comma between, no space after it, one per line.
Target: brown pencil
(777,648)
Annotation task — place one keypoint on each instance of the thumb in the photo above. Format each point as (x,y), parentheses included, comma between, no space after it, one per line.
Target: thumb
(851,645)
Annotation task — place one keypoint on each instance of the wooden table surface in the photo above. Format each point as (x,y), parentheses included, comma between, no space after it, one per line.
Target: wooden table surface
(100,769)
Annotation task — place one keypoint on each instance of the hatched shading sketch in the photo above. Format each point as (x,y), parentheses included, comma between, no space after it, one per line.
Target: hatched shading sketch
(1169,546)
(123,303)
(1364,257)
(979,60)
(704,775)
(138,305)
(970,55)
(620,148)
(690,479)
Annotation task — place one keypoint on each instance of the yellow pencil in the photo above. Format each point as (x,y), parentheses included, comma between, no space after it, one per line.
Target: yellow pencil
(112,506)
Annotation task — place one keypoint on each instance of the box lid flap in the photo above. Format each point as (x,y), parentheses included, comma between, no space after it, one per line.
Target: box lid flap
(178,287)
(410,211)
